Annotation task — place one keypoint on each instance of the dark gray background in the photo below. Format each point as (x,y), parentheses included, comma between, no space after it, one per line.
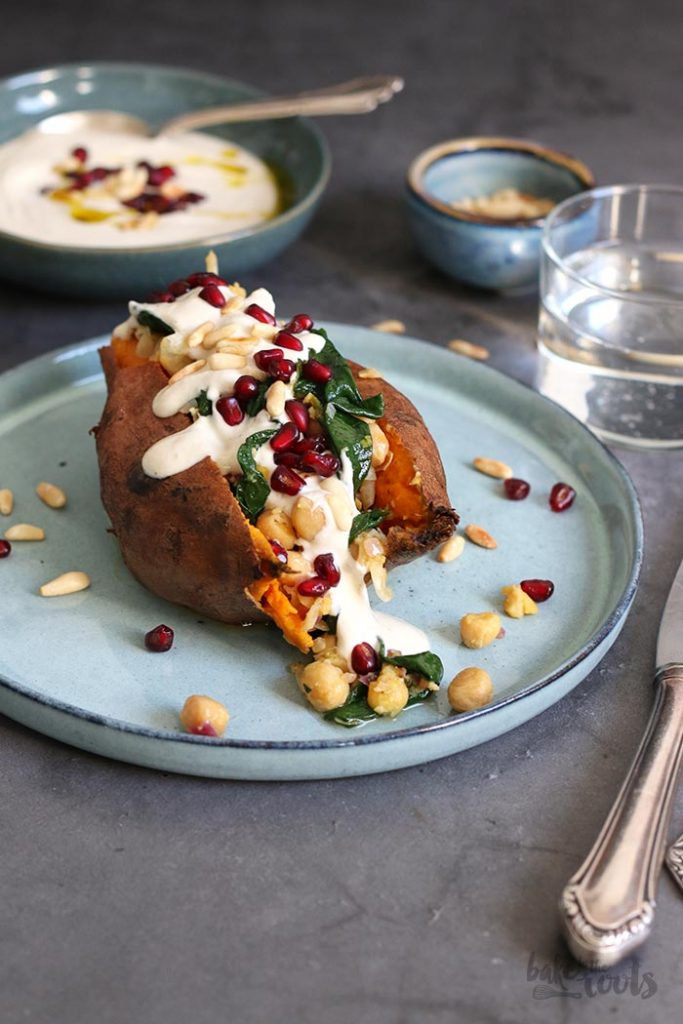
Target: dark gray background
(419,896)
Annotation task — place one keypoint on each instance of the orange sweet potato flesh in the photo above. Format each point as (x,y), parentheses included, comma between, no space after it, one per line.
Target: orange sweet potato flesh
(185,538)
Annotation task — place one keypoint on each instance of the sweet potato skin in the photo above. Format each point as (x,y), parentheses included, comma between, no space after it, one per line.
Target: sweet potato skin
(185,538)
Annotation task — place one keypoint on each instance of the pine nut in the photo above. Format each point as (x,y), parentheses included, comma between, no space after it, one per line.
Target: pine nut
(24,531)
(260,330)
(341,511)
(67,583)
(198,364)
(6,502)
(469,349)
(196,337)
(478,535)
(211,262)
(389,327)
(276,397)
(493,467)
(380,445)
(232,304)
(226,361)
(452,549)
(53,496)
(370,373)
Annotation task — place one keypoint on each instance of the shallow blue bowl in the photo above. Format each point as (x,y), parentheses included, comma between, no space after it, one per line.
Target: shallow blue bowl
(488,252)
(294,148)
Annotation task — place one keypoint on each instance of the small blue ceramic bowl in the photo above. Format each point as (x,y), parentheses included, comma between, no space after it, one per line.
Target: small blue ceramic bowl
(293,148)
(488,252)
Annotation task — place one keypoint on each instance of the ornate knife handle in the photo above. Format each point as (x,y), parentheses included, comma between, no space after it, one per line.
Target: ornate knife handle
(608,906)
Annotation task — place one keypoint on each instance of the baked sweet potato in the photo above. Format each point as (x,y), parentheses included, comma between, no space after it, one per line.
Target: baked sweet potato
(187,538)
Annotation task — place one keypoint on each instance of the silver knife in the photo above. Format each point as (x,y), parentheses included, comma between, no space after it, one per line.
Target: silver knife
(608,906)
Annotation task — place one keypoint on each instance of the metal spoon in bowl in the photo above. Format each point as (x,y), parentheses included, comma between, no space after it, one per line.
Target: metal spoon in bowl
(359,96)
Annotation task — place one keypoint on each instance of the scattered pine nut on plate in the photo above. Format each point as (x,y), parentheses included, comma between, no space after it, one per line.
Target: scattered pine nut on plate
(370,373)
(6,501)
(67,583)
(24,531)
(389,327)
(469,349)
(492,467)
(452,549)
(478,535)
(51,495)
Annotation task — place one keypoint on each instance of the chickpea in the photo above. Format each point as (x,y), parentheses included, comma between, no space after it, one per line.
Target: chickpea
(388,693)
(325,685)
(275,524)
(472,688)
(380,445)
(204,716)
(479,629)
(517,603)
(307,519)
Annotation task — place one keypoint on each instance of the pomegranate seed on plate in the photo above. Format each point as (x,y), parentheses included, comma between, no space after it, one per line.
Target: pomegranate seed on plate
(5,548)
(516,489)
(230,410)
(159,639)
(178,287)
(279,550)
(300,322)
(286,481)
(288,340)
(212,294)
(364,659)
(158,175)
(285,437)
(80,153)
(290,459)
(538,590)
(323,463)
(281,369)
(314,587)
(259,313)
(161,297)
(246,388)
(317,372)
(298,413)
(326,567)
(561,497)
(265,357)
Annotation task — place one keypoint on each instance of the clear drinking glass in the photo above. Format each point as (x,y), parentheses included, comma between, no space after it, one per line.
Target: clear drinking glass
(610,335)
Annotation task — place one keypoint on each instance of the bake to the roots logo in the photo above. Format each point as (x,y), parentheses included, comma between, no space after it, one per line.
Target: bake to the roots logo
(565,979)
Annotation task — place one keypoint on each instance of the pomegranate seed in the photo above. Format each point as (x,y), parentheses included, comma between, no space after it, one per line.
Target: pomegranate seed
(158,175)
(281,369)
(259,313)
(298,413)
(159,639)
(290,459)
(315,587)
(204,729)
(212,294)
(5,548)
(326,567)
(364,659)
(191,197)
(538,590)
(246,388)
(100,173)
(561,497)
(300,322)
(205,277)
(231,410)
(305,444)
(80,153)
(285,437)
(288,340)
(279,550)
(265,357)
(178,288)
(516,489)
(162,297)
(286,481)
(323,463)
(317,372)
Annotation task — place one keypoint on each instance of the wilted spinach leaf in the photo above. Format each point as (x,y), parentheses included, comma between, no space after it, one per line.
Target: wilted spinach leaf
(252,489)
(147,319)
(367,521)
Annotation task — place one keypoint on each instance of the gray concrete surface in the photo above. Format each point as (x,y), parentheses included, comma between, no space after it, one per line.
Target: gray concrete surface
(426,896)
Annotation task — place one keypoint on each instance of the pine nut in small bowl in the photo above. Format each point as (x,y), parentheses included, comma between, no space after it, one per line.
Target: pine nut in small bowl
(477,205)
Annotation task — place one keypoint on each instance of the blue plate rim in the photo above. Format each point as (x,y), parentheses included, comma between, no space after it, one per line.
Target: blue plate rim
(618,614)
(308,202)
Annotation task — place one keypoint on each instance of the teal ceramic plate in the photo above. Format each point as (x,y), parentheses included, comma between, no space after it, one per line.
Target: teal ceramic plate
(293,147)
(76,669)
